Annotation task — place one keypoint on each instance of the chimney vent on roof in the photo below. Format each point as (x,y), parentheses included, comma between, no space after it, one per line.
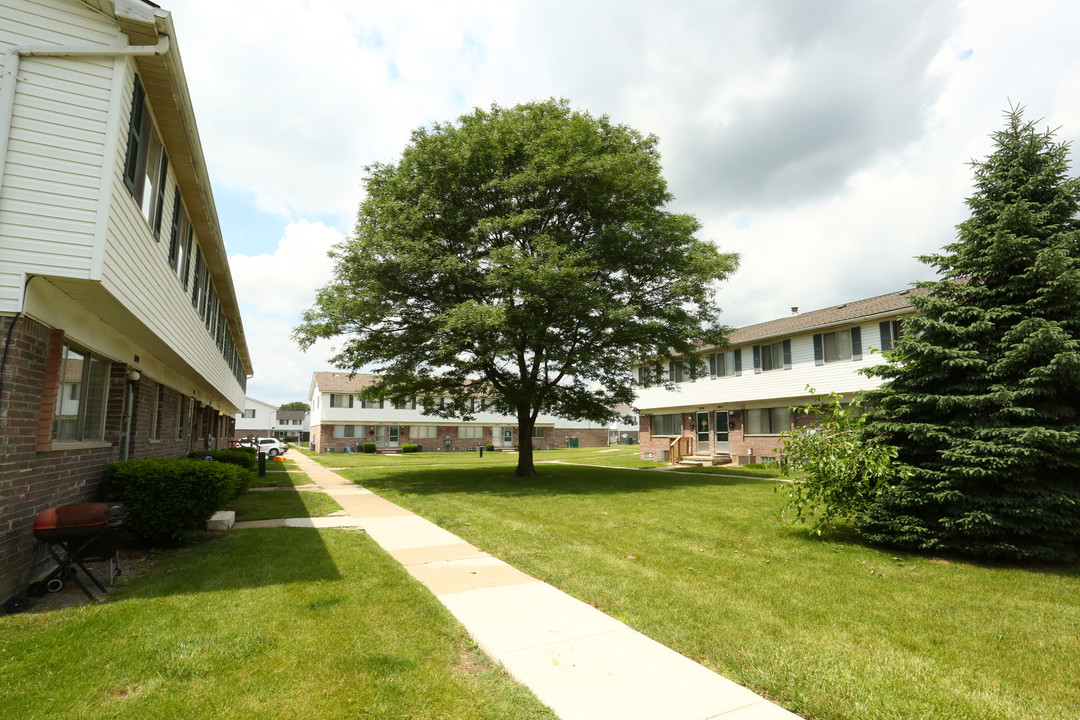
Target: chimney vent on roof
(794,309)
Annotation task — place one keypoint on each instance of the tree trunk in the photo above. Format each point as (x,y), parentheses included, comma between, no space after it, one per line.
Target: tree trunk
(525,467)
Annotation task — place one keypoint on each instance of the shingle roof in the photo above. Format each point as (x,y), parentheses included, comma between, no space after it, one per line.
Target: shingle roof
(342,382)
(897,302)
(291,414)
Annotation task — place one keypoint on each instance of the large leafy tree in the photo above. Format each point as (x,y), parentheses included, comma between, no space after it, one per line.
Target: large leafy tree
(983,394)
(295,405)
(524,254)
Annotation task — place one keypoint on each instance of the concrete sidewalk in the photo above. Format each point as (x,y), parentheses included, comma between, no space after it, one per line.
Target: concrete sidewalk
(581,663)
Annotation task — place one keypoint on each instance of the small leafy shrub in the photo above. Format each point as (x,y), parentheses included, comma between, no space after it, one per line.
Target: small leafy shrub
(169,500)
(409,448)
(843,473)
(369,448)
(490,447)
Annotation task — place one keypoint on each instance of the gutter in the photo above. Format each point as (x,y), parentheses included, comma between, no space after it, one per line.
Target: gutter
(11,76)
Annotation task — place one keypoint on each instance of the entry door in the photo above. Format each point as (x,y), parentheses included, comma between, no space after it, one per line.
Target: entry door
(392,437)
(703,432)
(508,436)
(722,444)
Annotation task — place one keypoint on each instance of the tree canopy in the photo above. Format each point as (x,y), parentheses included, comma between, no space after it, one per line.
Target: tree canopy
(982,397)
(295,405)
(524,254)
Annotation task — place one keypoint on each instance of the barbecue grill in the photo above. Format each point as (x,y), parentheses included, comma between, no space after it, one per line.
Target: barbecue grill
(74,535)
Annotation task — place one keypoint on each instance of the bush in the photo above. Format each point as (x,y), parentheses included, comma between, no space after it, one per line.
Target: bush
(369,448)
(410,447)
(843,472)
(243,458)
(169,500)
(490,447)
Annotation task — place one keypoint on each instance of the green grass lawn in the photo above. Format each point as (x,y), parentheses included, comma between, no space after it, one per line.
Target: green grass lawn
(281,478)
(619,455)
(283,504)
(825,626)
(275,623)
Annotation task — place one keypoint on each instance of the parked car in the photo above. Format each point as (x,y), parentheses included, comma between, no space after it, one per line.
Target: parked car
(271,446)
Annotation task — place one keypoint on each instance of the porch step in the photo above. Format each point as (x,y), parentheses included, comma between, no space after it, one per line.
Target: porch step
(699,460)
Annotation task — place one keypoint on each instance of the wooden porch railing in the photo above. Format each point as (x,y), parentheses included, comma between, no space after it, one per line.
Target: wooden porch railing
(679,447)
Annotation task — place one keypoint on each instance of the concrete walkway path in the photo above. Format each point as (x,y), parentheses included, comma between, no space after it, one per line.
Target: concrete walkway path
(581,663)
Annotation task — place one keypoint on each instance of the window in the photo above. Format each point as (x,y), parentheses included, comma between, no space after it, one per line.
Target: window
(370,404)
(348,431)
(471,431)
(768,421)
(538,432)
(725,364)
(774,356)
(679,371)
(297,422)
(179,239)
(667,424)
(417,432)
(82,396)
(838,346)
(157,411)
(891,331)
(401,405)
(249,413)
(198,280)
(342,401)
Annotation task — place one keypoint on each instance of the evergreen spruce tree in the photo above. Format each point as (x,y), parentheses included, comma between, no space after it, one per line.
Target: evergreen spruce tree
(982,397)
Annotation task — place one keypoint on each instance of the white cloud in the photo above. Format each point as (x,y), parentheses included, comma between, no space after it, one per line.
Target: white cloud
(837,135)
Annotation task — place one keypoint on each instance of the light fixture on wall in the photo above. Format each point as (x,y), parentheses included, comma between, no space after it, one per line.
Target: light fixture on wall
(134,375)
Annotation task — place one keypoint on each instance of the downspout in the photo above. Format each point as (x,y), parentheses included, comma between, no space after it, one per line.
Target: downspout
(11,75)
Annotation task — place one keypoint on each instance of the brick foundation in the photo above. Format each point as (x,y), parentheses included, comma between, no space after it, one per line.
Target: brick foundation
(36,474)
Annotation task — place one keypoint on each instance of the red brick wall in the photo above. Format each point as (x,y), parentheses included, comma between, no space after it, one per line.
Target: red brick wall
(587,437)
(35,477)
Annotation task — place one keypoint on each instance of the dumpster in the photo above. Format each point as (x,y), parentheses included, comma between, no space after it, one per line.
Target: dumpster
(571,442)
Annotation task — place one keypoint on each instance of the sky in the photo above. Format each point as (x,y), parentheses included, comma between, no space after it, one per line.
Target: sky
(828,143)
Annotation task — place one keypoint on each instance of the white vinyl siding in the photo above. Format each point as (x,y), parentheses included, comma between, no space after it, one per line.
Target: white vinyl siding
(54,159)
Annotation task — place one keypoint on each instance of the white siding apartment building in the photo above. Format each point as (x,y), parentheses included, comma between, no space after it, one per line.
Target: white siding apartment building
(737,412)
(340,419)
(120,326)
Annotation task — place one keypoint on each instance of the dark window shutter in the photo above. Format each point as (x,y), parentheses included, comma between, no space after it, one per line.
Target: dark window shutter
(738,362)
(159,204)
(671,372)
(757,358)
(886,335)
(819,350)
(712,365)
(135,128)
(787,354)
(174,238)
(350,401)
(856,343)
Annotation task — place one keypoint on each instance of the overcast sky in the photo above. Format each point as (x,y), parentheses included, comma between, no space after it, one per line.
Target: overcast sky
(826,142)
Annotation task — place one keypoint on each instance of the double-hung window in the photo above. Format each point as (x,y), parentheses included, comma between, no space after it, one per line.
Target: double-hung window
(891,331)
(180,240)
(421,432)
(471,431)
(725,364)
(146,166)
(773,356)
(667,424)
(82,396)
(768,421)
(838,346)
(341,401)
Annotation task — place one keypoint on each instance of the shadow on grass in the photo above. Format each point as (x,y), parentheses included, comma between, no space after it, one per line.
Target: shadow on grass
(243,559)
(552,480)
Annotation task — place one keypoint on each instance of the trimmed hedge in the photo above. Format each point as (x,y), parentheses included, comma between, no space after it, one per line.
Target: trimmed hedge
(369,448)
(490,447)
(246,458)
(409,448)
(170,500)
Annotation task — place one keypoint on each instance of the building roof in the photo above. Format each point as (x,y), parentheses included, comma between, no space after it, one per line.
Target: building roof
(890,304)
(341,381)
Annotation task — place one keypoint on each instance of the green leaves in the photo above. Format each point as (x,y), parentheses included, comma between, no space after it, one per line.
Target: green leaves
(528,247)
(983,398)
